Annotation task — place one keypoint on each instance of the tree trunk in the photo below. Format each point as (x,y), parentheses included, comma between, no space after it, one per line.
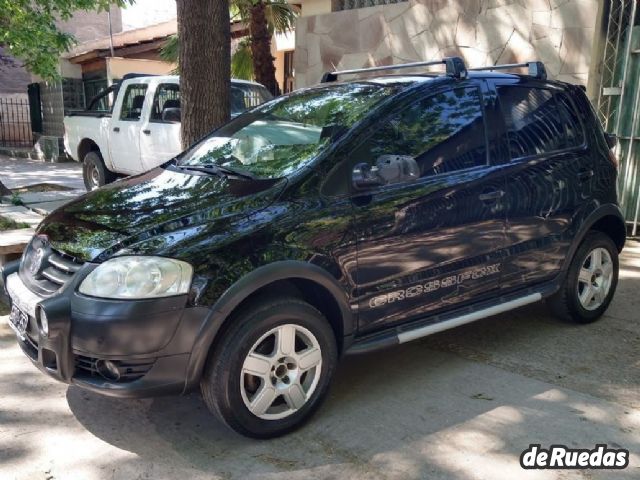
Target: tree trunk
(263,68)
(4,190)
(205,66)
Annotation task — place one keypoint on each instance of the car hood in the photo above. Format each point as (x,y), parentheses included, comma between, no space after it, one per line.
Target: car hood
(104,221)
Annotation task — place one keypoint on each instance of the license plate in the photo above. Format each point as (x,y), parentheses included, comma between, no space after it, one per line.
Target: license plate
(18,321)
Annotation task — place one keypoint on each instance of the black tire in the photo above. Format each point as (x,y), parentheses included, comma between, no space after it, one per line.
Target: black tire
(565,304)
(94,172)
(221,382)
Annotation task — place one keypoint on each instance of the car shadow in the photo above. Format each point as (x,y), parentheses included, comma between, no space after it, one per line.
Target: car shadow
(452,405)
(408,411)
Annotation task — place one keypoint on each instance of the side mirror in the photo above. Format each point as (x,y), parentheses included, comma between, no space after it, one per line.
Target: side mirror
(612,140)
(171,115)
(388,169)
(365,176)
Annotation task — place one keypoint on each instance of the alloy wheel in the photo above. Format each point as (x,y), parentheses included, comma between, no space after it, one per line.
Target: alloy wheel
(281,372)
(594,279)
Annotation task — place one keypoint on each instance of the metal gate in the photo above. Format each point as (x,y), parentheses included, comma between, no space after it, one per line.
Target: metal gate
(618,102)
(15,123)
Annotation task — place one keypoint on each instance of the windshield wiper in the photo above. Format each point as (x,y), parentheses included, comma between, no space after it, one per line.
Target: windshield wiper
(217,170)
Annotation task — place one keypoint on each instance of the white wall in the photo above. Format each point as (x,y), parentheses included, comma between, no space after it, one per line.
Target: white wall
(147,12)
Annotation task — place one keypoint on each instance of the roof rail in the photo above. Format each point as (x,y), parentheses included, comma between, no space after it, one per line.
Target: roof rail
(455,68)
(536,69)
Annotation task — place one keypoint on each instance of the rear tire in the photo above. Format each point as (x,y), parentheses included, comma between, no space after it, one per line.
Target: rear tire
(271,369)
(590,283)
(94,171)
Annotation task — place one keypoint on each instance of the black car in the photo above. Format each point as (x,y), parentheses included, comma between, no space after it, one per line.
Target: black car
(337,219)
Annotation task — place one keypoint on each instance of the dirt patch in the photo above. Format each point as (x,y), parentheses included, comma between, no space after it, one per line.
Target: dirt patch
(4,308)
(8,224)
(41,187)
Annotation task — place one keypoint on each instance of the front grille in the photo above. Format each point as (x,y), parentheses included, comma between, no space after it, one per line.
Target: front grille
(130,370)
(61,268)
(57,269)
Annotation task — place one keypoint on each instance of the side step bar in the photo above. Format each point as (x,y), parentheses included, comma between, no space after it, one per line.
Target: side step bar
(434,324)
(404,337)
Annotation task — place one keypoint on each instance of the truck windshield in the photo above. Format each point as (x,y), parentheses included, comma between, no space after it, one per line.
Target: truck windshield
(282,136)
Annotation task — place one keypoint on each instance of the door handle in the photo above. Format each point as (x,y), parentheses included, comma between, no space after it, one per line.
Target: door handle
(585,175)
(146,131)
(491,196)
(116,129)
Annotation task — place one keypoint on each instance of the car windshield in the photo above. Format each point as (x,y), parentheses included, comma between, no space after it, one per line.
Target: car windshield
(282,136)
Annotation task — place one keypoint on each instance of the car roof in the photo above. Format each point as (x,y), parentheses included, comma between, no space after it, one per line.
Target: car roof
(414,79)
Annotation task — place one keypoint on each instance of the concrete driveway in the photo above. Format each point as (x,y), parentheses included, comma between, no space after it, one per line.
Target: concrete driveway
(459,405)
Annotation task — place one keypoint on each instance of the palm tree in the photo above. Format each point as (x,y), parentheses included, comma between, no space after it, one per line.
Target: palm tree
(252,58)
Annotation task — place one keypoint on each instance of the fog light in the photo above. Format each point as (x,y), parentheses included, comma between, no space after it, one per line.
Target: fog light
(43,322)
(108,369)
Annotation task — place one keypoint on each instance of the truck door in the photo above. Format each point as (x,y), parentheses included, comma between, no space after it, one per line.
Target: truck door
(124,137)
(160,138)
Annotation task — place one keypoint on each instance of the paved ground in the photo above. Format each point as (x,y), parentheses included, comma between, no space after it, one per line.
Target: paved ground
(19,172)
(459,405)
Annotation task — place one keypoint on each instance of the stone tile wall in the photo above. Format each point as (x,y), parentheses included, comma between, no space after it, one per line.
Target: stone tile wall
(484,32)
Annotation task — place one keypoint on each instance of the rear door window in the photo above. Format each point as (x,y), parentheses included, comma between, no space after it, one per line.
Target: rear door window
(532,121)
(538,121)
(167,96)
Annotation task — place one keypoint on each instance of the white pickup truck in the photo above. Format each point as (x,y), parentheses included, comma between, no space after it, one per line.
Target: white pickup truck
(140,129)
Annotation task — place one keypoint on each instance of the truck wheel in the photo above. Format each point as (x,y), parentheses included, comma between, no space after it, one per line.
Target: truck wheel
(590,283)
(94,172)
(272,368)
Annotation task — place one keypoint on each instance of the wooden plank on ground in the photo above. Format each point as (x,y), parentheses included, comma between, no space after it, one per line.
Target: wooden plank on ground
(14,241)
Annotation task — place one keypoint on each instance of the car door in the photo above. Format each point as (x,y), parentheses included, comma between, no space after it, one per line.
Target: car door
(124,138)
(550,175)
(160,138)
(428,239)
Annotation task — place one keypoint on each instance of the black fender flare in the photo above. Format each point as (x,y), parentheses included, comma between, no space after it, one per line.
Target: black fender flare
(587,223)
(249,284)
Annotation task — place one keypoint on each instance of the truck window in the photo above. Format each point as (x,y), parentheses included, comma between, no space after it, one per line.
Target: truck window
(246,96)
(133,102)
(167,96)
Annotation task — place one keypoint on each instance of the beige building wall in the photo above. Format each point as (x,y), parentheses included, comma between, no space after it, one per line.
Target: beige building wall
(558,32)
(118,67)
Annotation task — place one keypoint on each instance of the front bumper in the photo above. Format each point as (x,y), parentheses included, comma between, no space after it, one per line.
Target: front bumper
(150,341)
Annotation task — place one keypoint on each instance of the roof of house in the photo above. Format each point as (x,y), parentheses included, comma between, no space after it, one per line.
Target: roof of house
(152,36)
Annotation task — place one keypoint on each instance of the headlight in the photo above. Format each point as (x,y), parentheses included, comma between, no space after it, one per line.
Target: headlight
(138,277)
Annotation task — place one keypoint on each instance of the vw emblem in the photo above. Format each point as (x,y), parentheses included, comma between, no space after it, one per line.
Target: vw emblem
(36,264)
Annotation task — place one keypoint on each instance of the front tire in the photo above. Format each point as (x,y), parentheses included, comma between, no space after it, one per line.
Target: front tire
(271,369)
(94,171)
(590,282)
